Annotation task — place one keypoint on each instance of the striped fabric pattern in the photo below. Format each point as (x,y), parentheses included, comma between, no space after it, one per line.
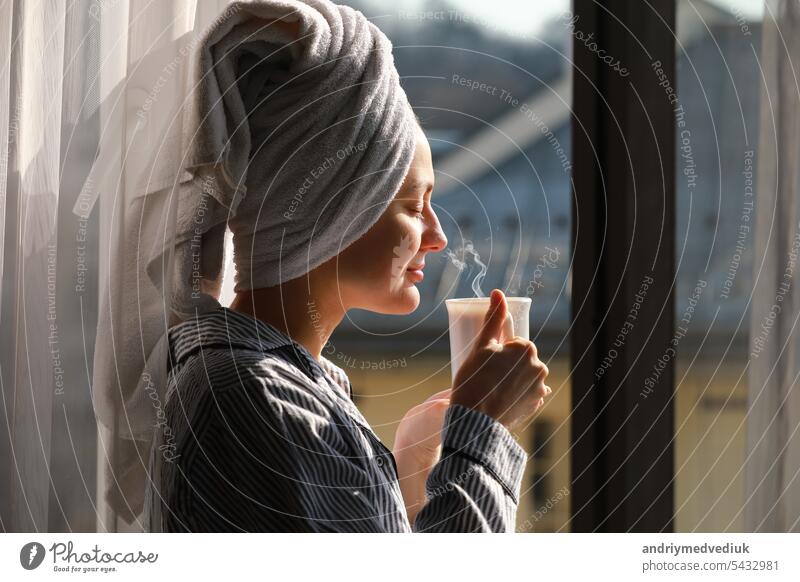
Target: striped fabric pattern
(259,436)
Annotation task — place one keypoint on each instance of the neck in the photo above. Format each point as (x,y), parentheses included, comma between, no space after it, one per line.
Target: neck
(299,308)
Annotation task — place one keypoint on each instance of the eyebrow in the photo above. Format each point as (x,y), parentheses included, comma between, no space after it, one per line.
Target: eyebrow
(420,185)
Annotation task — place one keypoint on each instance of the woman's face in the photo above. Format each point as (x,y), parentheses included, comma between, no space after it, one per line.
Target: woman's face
(380,270)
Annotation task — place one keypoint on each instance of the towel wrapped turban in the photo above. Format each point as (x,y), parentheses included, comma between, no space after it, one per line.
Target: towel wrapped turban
(304,135)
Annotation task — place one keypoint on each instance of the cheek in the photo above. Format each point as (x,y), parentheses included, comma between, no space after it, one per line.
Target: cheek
(388,250)
(406,241)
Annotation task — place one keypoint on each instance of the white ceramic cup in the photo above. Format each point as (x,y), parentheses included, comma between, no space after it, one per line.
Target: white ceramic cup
(466,317)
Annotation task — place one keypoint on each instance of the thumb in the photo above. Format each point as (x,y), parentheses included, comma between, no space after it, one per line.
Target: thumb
(495,318)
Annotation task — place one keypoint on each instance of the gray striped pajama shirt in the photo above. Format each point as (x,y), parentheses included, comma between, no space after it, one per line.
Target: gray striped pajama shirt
(259,436)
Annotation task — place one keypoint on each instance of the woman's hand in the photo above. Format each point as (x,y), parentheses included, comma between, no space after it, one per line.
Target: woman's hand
(417,448)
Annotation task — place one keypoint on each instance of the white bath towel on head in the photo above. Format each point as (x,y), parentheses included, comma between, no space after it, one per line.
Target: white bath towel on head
(296,134)
(303,135)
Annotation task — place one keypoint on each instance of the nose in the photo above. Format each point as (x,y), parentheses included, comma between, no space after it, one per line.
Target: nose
(433,238)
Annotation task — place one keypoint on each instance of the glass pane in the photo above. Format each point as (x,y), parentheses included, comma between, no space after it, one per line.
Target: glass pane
(491,86)
(717,132)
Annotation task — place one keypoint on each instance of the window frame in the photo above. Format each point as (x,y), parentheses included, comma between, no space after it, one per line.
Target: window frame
(623,234)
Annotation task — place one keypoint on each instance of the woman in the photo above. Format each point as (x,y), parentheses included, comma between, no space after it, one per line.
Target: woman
(261,433)
(277,444)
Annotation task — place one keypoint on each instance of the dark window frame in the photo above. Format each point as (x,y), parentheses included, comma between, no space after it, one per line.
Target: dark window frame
(623,232)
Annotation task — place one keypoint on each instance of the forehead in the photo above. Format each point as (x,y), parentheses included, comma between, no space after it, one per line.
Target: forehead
(420,172)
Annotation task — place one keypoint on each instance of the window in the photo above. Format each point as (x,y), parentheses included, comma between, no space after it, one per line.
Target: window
(717,139)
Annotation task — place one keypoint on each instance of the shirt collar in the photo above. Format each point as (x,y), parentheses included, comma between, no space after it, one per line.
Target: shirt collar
(227,328)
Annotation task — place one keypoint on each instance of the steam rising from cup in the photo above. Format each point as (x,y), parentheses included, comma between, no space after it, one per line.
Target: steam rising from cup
(460,263)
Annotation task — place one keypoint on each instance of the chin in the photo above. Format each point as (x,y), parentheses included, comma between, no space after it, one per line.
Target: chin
(410,300)
(401,302)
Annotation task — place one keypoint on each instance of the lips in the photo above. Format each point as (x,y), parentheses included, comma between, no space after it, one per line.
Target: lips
(415,272)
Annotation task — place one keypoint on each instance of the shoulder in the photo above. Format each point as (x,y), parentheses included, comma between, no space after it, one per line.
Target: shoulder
(241,377)
(256,401)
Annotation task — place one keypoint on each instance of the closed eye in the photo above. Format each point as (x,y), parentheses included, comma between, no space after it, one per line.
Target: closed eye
(417,201)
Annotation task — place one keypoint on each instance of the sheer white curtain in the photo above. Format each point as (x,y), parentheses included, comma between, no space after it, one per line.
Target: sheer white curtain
(90,100)
(772,466)
(32,116)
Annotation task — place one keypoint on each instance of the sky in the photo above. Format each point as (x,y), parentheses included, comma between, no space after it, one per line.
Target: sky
(750,9)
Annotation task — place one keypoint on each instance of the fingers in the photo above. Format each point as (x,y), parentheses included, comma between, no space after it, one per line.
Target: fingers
(524,343)
(539,378)
(542,391)
(545,371)
(495,319)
